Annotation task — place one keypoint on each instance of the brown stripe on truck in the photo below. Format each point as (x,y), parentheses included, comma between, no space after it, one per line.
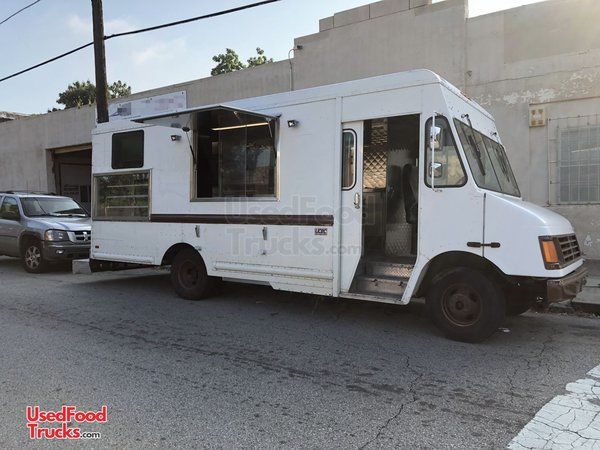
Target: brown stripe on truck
(246,219)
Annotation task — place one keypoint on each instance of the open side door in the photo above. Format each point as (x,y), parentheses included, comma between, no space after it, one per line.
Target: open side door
(352,202)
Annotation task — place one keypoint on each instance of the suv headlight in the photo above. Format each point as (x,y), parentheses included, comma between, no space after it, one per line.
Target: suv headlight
(56,235)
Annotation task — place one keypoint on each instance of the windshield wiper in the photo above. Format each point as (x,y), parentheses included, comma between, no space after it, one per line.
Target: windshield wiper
(501,155)
(473,142)
(67,215)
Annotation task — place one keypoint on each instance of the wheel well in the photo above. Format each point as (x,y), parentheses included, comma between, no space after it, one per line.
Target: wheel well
(441,264)
(172,251)
(26,239)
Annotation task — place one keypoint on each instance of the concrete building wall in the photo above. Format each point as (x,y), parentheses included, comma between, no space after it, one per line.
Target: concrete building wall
(545,55)
(430,36)
(25,162)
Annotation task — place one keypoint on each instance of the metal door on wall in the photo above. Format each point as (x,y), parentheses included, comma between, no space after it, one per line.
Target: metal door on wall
(73,173)
(75,182)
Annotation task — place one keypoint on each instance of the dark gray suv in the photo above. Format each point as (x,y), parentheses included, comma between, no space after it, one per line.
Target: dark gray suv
(41,228)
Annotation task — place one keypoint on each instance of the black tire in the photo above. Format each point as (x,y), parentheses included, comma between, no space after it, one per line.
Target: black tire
(189,277)
(466,305)
(518,306)
(33,257)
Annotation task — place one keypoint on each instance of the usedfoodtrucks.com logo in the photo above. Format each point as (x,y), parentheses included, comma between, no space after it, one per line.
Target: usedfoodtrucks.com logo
(63,424)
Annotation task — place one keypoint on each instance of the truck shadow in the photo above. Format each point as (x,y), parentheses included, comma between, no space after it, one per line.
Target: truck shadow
(255,300)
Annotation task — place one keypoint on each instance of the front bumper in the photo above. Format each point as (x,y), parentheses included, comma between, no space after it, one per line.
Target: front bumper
(62,251)
(566,288)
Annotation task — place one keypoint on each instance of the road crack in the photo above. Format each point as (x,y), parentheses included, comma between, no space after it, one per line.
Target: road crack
(414,398)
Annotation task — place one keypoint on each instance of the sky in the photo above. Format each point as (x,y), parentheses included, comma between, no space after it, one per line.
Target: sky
(152,59)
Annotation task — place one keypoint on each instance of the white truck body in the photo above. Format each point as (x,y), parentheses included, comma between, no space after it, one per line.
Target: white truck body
(309,236)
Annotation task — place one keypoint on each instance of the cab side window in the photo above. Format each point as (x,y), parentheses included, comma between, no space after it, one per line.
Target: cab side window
(448,169)
(9,205)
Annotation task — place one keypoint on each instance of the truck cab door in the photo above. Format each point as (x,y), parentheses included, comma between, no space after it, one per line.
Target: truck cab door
(351,214)
(451,210)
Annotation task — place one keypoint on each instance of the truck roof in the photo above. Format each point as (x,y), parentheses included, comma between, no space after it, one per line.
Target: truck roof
(380,83)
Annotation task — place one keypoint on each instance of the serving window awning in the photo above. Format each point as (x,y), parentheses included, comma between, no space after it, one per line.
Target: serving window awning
(221,117)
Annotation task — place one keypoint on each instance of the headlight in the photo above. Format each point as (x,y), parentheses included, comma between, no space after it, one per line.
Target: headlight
(56,235)
(549,252)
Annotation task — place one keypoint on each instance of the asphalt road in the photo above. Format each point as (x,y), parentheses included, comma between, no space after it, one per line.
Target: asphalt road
(258,368)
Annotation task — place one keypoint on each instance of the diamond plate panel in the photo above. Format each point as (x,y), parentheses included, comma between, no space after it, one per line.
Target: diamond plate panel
(383,269)
(398,239)
(398,233)
(375,165)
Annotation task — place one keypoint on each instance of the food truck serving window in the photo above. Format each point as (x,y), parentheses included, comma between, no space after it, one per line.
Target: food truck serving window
(236,155)
(234,150)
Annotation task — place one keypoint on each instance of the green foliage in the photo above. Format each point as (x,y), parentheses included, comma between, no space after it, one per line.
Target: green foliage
(78,94)
(260,59)
(81,93)
(119,89)
(230,61)
(227,62)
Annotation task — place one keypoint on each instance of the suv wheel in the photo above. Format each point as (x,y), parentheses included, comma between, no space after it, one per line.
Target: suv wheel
(189,277)
(33,257)
(466,305)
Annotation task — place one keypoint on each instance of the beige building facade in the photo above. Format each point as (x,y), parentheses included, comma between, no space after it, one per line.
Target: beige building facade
(536,68)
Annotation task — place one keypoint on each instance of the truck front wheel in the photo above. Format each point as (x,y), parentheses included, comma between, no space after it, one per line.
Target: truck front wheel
(466,305)
(189,277)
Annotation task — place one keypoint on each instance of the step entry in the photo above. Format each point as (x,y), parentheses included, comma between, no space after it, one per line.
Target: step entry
(382,277)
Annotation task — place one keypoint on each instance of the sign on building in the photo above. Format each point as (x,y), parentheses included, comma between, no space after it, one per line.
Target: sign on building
(147,106)
(537,116)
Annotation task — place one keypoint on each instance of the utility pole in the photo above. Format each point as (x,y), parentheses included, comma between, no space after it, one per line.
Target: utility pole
(100,59)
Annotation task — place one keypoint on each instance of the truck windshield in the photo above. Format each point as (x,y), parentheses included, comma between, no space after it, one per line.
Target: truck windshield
(488,161)
(52,207)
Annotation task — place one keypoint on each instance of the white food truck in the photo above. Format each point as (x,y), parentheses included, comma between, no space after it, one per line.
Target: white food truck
(381,189)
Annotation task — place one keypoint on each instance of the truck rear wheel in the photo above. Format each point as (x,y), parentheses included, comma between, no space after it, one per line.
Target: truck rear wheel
(189,277)
(466,305)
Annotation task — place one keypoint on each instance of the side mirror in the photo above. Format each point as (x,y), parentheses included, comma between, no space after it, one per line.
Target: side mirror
(436,144)
(437,138)
(437,169)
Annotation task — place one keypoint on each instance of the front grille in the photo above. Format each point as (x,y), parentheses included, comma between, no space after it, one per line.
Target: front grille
(569,248)
(80,237)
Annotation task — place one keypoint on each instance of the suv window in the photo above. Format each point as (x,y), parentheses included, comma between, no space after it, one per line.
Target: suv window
(52,206)
(9,204)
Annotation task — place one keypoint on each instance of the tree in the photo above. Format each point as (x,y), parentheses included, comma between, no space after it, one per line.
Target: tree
(230,61)
(80,93)
(119,89)
(260,59)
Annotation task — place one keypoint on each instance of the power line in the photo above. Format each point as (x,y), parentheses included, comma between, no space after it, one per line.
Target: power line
(48,61)
(141,30)
(193,19)
(20,11)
